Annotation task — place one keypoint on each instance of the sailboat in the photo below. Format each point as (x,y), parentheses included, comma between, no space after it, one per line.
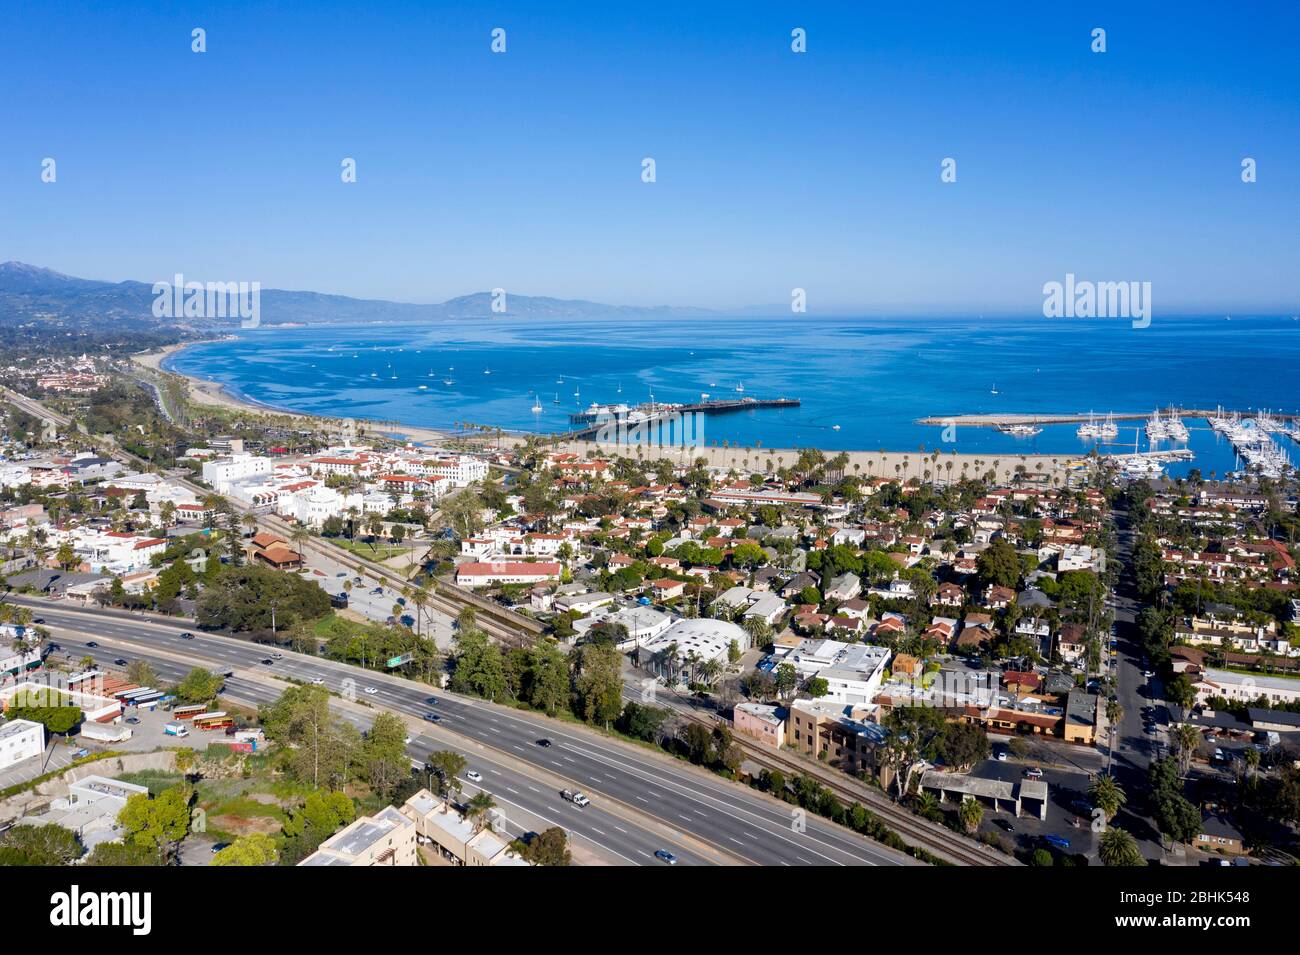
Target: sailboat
(994,391)
(557,398)
(537,405)
(741,388)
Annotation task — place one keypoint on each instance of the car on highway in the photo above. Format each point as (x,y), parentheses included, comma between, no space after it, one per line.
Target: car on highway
(474,776)
(277,656)
(663,855)
(371,690)
(186,635)
(543,742)
(433,717)
(1033,772)
(268,662)
(341,573)
(92,644)
(318,682)
(37,620)
(431,700)
(119,662)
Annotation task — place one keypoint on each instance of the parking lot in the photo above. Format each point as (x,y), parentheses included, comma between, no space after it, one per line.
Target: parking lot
(58,754)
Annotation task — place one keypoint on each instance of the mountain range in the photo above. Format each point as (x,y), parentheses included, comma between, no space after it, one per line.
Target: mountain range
(42,298)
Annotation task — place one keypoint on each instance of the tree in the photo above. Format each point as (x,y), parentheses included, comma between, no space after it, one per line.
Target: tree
(1106,795)
(598,683)
(142,673)
(321,746)
(1118,848)
(384,753)
(962,745)
(549,847)
(447,766)
(251,850)
(817,686)
(158,823)
(971,813)
(38,845)
(478,810)
(199,686)
(999,564)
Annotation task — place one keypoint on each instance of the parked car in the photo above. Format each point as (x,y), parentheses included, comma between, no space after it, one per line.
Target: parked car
(1033,772)
(1060,842)
(218,846)
(132,720)
(1001,756)
(1004,824)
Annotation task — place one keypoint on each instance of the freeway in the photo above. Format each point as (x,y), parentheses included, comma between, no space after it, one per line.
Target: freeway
(689,806)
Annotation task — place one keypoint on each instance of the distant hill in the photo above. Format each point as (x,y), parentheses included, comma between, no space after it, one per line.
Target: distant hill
(41,298)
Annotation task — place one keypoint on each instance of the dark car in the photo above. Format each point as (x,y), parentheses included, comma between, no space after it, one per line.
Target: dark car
(92,644)
(268,662)
(132,720)
(38,619)
(218,846)
(663,855)
(431,700)
(187,635)
(543,742)
(1004,824)
(377,590)
(119,662)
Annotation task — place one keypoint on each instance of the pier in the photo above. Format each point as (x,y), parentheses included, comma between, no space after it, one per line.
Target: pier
(652,412)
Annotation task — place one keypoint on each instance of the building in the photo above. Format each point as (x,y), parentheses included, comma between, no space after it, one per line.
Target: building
(386,838)
(853,671)
(1245,687)
(20,740)
(90,809)
(475,574)
(221,474)
(669,653)
(1081,710)
(453,840)
(841,732)
(761,722)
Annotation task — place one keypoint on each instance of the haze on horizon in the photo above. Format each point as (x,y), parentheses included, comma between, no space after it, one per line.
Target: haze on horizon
(775,170)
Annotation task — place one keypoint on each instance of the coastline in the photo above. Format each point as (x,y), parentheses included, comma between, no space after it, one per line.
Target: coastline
(216,395)
(861,463)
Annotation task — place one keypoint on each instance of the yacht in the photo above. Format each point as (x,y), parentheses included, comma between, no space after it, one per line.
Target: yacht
(537,405)
(1090,428)
(835,427)
(1157,429)
(1108,428)
(1020,430)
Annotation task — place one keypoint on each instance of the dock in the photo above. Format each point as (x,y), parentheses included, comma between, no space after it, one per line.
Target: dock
(995,420)
(590,421)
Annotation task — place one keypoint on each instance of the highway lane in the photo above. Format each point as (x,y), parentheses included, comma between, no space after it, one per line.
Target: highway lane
(691,802)
(529,803)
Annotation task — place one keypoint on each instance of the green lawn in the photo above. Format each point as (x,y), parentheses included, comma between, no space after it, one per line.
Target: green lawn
(362,548)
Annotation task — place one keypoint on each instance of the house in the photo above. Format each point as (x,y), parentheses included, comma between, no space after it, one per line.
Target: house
(666,588)
(949,595)
(997,598)
(506,572)
(1219,834)
(844,587)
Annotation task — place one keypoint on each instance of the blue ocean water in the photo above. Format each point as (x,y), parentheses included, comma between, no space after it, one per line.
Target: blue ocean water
(872,377)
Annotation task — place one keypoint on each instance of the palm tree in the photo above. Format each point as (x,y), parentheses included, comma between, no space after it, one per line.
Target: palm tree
(1107,795)
(1118,848)
(478,808)
(971,814)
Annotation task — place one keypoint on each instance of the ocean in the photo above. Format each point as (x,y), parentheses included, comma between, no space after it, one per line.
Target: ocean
(872,377)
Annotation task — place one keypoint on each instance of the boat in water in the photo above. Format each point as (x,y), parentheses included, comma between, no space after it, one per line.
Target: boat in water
(1020,430)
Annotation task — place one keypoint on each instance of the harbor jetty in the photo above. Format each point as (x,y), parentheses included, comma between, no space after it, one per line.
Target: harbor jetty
(589,421)
(1000,420)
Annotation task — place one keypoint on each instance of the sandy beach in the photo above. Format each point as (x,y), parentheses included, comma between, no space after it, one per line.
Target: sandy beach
(950,465)
(214,394)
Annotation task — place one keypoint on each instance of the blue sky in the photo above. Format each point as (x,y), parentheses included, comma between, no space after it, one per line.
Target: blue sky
(775,170)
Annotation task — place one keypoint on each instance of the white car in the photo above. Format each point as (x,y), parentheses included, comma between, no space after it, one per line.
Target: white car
(474,776)
(371,690)
(318,682)
(1148,674)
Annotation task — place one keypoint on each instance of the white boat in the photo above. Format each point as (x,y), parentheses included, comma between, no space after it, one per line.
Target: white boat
(1020,430)
(1090,428)
(1108,428)
(741,387)
(835,427)
(422,388)
(994,390)
(537,406)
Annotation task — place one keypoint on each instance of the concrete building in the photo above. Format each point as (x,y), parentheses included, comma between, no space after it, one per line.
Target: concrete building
(706,639)
(20,740)
(842,732)
(386,838)
(761,722)
(453,840)
(90,809)
(853,671)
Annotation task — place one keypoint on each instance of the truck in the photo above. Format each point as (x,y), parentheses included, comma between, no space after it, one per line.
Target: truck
(575,796)
(176,729)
